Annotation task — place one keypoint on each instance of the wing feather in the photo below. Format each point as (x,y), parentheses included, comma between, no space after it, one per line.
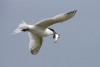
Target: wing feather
(56,19)
(35,43)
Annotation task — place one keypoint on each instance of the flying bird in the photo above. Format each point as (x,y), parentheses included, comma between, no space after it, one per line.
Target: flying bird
(39,30)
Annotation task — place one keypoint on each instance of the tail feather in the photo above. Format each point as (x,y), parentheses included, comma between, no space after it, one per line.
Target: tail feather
(21,27)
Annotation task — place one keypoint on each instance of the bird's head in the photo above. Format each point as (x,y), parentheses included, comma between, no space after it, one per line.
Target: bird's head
(56,37)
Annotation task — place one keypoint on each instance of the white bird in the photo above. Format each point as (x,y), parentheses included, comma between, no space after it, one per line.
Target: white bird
(39,30)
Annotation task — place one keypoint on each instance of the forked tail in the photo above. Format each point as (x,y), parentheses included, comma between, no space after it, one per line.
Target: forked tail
(21,26)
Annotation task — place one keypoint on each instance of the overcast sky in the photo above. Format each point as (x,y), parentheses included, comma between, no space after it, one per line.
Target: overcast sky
(78,46)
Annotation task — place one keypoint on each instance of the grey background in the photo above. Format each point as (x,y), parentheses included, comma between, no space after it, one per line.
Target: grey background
(78,46)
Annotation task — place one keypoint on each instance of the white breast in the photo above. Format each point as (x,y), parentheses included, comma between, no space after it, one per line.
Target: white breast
(40,31)
(47,32)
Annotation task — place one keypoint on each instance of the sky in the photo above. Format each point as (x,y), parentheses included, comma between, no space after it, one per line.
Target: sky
(79,43)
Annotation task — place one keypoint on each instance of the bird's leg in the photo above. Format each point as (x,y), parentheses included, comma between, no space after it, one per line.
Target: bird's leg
(24,30)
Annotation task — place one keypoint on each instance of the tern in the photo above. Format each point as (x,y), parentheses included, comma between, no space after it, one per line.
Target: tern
(40,30)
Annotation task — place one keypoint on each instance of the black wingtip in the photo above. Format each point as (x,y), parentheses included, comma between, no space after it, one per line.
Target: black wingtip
(32,52)
(74,11)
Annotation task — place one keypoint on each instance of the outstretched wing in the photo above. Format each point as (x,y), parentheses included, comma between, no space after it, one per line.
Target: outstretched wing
(56,19)
(35,43)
